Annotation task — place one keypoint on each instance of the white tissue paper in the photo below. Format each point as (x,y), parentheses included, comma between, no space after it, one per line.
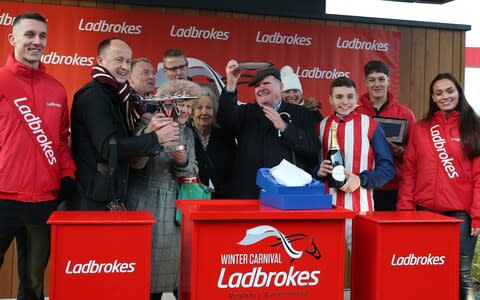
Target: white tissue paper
(288,174)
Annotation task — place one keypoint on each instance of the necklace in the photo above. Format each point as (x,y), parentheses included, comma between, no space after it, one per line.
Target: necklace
(204,141)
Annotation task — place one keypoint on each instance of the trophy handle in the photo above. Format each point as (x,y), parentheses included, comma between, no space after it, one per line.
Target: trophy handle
(170,108)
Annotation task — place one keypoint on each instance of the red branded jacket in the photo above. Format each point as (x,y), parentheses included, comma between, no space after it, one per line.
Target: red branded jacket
(436,174)
(24,175)
(391,109)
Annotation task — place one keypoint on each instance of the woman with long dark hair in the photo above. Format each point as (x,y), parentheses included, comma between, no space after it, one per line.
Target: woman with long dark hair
(441,171)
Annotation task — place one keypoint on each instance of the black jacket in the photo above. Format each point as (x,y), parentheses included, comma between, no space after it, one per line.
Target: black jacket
(259,144)
(96,116)
(216,162)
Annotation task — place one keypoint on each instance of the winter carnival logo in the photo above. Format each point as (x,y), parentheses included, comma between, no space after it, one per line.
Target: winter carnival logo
(261,274)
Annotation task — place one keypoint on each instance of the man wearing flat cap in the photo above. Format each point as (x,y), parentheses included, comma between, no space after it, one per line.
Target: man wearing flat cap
(267,131)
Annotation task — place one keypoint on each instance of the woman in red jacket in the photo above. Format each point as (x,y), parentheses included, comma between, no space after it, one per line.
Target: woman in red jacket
(441,171)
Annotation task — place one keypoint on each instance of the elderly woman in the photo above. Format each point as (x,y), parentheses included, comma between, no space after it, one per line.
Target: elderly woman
(153,185)
(215,147)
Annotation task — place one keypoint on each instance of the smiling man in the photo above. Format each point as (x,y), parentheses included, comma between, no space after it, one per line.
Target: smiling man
(142,77)
(36,168)
(380,102)
(102,124)
(267,131)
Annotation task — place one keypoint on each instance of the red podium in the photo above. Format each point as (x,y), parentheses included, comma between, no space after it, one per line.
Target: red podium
(405,255)
(100,255)
(239,249)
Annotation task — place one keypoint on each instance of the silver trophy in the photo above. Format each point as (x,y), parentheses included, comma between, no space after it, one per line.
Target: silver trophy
(166,101)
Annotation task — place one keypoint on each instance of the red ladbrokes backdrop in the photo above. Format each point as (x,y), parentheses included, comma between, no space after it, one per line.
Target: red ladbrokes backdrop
(317,53)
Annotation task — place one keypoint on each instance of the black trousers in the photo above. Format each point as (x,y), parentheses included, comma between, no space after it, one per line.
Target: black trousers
(27,223)
(468,244)
(385,200)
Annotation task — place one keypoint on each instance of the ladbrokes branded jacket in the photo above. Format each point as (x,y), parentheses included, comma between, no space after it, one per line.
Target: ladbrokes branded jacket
(436,174)
(23,172)
(366,154)
(391,109)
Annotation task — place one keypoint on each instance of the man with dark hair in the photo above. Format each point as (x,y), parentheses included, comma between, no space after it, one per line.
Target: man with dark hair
(175,64)
(36,168)
(379,102)
(103,118)
(267,131)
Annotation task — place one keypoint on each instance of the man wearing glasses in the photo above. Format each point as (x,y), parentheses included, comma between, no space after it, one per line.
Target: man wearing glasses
(175,64)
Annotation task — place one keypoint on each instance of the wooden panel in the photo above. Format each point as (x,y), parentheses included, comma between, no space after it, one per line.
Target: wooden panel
(6,274)
(445,63)
(69,2)
(406,81)
(391,28)
(418,72)
(15,279)
(376,27)
(333,23)
(432,44)
(459,55)
(362,25)
(87,4)
(321,22)
(347,24)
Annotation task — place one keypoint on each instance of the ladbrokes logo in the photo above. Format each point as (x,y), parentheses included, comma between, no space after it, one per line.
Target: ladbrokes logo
(447,160)
(414,260)
(35,125)
(359,44)
(54,58)
(319,73)
(6,19)
(93,267)
(278,38)
(193,32)
(104,26)
(257,277)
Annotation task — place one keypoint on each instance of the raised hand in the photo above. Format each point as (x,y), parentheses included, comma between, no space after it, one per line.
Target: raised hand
(233,73)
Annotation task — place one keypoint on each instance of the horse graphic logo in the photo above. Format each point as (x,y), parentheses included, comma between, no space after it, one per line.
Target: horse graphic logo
(256,234)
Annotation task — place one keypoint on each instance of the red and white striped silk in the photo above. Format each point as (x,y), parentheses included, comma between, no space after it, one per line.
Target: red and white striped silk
(354,133)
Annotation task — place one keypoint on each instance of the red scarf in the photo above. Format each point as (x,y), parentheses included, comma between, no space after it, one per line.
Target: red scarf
(123,92)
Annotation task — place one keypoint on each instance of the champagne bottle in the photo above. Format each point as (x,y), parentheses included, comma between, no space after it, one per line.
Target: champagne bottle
(337,179)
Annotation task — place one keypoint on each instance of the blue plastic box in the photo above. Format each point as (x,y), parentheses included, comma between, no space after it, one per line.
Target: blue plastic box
(311,196)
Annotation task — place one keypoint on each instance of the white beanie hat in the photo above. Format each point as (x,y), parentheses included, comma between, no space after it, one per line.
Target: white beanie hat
(290,79)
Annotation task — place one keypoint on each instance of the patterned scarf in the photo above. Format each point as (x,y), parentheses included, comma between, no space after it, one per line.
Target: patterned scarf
(122,90)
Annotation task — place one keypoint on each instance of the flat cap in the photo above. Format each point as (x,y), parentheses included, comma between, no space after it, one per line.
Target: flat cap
(264,73)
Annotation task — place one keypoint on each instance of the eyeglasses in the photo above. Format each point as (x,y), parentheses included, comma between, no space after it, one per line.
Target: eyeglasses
(175,69)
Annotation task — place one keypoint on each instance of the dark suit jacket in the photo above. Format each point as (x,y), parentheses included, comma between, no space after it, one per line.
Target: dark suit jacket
(96,116)
(259,144)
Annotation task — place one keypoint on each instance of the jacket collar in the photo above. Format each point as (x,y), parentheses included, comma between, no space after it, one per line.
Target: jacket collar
(23,70)
(440,117)
(365,101)
(338,119)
